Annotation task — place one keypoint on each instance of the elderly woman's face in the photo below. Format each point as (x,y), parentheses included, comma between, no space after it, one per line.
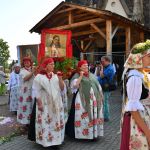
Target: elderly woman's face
(50,67)
(146,60)
(27,63)
(84,68)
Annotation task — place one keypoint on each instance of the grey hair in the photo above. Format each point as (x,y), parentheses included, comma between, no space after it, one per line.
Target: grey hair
(107,58)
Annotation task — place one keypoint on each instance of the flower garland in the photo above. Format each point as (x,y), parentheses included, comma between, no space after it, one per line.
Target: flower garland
(141,47)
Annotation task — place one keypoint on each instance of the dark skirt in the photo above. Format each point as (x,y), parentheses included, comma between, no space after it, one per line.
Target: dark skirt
(31,129)
(70,129)
(125,136)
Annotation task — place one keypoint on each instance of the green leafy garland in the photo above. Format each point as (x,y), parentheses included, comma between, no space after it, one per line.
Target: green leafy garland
(141,47)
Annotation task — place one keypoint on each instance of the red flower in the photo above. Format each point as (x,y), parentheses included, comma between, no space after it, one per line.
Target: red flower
(25,89)
(21,99)
(24,108)
(90,124)
(140,130)
(95,121)
(95,103)
(84,115)
(85,132)
(135,143)
(77,123)
(77,106)
(39,120)
(40,135)
(20,116)
(50,137)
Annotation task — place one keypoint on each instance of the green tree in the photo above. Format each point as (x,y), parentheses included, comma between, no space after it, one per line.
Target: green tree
(4,52)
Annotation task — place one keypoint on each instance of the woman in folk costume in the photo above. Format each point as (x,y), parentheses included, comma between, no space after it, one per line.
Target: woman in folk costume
(25,100)
(86,116)
(50,122)
(14,88)
(136,110)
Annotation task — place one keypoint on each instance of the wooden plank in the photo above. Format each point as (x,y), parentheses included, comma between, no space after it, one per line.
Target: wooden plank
(128,40)
(141,36)
(83,33)
(114,32)
(78,24)
(66,10)
(108,37)
(98,30)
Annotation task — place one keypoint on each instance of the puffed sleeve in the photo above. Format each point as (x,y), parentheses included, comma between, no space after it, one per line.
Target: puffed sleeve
(134,90)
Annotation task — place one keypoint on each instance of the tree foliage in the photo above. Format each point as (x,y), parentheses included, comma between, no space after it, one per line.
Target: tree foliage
(4,52)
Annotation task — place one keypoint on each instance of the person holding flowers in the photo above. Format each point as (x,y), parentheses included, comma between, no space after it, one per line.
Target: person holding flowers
(86,115)
(25,98)
(49,89)
(136,106)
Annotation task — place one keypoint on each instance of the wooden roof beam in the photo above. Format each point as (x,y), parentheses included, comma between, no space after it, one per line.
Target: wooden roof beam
(98,30)
(78,24)
(83,33)
(66,10)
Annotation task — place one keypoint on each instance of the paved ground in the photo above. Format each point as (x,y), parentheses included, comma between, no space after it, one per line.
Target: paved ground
(109,142)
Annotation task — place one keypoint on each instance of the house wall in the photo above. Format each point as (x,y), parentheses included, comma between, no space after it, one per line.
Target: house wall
(116,7)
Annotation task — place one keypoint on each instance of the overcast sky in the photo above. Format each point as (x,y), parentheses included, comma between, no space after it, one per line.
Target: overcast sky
(17,17)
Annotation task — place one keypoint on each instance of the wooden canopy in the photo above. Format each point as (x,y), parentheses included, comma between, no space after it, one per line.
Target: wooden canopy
(84,21)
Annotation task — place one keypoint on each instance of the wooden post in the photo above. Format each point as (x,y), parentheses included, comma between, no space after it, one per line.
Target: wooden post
(108,37)
(70,18)
(81,53)
(128,40)
(141,36)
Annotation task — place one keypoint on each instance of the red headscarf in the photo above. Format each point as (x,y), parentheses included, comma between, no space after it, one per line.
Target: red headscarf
(82,62)
(26,59)
(47,61)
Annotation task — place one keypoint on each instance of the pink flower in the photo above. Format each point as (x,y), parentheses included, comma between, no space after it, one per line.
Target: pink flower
(90,124)
(77,123)
(24,108)
(85,132)
(84,115)
(20,116)
(135,143)
(21,99)
(95,103)
(25,89)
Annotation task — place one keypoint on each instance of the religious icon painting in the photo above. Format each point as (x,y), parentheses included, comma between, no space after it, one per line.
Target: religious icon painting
(55,43)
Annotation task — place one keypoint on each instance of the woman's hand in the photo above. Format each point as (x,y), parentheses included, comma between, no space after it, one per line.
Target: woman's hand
(81,73)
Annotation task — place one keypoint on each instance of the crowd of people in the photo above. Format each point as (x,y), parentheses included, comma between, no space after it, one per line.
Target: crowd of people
(40,99)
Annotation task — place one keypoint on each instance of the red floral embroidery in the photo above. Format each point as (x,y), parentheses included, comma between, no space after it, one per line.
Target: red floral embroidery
(29,99)
(50,137)
(40,135)
(77,106)
(95,103)
(84,115)
(20,116)
(57,126)
(90,124)
(39,120)
(135,143)
(29,117)
(21,99)
(85,132)
(140,130)
(49,119)
(77,123)
(24,108)
(61,124)
(95,121)
(25,89)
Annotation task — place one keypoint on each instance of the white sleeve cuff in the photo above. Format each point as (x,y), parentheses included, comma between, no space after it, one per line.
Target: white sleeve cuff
(73,83)
(133,105)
